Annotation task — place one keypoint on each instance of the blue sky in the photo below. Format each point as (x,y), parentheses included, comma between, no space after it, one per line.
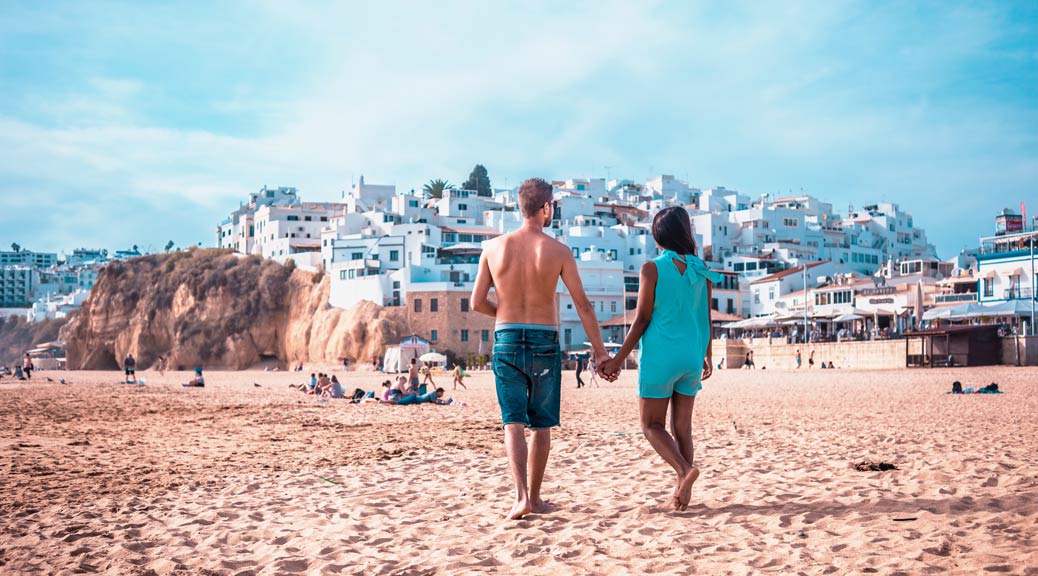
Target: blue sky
(137,123)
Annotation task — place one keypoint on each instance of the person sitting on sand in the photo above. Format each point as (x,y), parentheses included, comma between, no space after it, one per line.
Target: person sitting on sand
(333,389)
(672,322)
(130,368)
(831,367)
(197,382)
(459,377)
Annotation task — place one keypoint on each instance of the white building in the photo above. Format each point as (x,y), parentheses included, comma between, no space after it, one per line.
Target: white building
(766,292)
(238,231)
(18,286)
(28,258)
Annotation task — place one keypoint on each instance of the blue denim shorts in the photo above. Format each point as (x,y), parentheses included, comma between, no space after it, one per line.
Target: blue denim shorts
(528,372)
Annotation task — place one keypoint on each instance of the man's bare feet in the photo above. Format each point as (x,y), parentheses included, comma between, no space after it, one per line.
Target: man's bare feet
(683,491)
(520,509)
(542,506)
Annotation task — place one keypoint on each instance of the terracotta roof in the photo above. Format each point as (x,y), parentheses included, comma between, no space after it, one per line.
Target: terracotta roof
(788,272)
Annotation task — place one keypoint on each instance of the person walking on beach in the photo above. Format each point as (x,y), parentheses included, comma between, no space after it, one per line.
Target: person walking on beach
(27,366)
(811,359)
(459,377)
(798,359)
(524,268)
(427,380)
(749,361)
(581,363)
(130,369)
(673,323)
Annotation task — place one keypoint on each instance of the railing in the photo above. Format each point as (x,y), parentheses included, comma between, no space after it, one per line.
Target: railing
(964,297)
(1018,294)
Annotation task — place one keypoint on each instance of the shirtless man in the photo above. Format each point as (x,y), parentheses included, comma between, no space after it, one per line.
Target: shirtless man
(524,268)
(413,376)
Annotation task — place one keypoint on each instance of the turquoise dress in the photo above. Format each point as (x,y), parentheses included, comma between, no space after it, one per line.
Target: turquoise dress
(673,346)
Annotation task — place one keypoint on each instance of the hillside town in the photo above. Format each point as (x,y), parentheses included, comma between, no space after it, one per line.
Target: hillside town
(792,265)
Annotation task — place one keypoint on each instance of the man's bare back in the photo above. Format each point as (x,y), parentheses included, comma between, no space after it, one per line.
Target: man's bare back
(525,267)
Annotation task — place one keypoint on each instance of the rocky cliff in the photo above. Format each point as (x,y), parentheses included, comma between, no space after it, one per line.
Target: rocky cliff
(219,310)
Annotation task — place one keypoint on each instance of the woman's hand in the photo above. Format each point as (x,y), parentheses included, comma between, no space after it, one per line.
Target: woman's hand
(609,369)
(708,368)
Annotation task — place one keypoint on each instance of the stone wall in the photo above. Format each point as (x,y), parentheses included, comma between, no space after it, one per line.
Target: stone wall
(1020,351)
(879,354)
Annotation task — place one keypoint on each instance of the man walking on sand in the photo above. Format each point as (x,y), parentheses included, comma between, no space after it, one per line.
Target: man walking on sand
(524,268)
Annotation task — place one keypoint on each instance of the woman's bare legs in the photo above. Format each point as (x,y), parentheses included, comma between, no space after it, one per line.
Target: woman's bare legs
(681,407)
(654,426)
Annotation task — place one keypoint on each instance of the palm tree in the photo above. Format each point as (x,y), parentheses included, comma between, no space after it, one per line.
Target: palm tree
(435,188)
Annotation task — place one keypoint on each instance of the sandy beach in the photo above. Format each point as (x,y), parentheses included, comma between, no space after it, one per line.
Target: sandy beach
(249,477)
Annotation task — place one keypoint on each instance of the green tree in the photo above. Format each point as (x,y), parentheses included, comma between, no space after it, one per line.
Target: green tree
(478,181)
(169,245)
(16,247)
(435,188)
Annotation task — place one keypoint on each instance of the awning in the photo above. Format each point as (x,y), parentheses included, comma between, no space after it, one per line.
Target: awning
(848,318)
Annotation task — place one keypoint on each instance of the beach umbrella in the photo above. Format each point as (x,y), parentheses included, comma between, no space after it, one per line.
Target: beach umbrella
(434,357)
(848,317)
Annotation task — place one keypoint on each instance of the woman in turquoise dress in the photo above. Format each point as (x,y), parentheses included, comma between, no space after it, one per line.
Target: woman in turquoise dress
(673,325)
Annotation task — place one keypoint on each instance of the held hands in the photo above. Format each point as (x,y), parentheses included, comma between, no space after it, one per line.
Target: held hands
(608,367)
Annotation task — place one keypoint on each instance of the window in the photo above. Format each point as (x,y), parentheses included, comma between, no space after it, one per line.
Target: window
(434,305)
(739,267)
(324,218)
(293,218)
(357,256)
(433,336)
(612,307)
(464,304)
(464,335)
(713,304)
(486,335)
(771,293)
(567,336)
(989,288)
(576,252)
(791,222)
(417,304)
(463,207)
(308,218)
(394,255)
(756,296)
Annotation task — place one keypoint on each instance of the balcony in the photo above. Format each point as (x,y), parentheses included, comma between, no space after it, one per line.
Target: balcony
(950,298)
(1018,294)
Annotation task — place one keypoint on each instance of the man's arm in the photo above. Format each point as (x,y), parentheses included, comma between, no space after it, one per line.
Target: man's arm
(484,281)
(571,278)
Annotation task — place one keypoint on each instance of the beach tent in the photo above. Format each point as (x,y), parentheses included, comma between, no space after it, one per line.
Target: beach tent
(398,357)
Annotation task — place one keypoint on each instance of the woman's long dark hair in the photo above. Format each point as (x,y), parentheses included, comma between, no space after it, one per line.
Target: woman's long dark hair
(672,229)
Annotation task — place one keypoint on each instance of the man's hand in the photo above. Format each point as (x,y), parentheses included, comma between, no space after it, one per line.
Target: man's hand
(708,368)
(607,367)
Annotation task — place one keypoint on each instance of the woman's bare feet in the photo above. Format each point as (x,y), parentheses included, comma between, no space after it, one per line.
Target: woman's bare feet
(542,506)
(683,491)
(520,509)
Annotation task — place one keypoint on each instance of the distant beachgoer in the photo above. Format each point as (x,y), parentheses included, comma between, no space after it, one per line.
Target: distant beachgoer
(822,365)
(160,365)
(413,374)
(831,365)
(197,382)
(811,360)
(672,322)
(799,360)
(720,365)
(581,364)
(27,366)
(459,377)
(130,367)
(749,361)
(313,383)
(345,364)
(427,381)
(334,389)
